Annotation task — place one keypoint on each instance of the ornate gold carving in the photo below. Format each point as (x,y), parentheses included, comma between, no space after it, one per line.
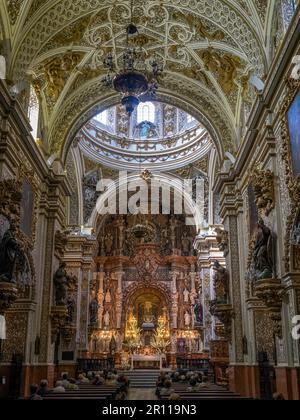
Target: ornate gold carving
(68,332)
(225,314)
(58,318)
(56,71)
(8,295)
(269,291)
(197,25)
(60,243)
(263,184)
(10,199)
(13,8)
(292,183)
(224,66)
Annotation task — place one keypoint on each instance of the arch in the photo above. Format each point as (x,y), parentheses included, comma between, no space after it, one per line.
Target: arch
(224,135)
(192,210)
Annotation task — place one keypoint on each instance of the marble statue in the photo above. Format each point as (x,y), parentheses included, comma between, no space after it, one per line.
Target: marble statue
(93,311)
(107,296)
(106,319)
(60,285)
(10,251)
(186,295)
(263,253)
(187,319)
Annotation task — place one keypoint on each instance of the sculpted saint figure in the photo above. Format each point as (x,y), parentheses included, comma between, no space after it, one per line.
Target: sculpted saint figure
(187,319)
(108,243)
(93,311)
(106,319)
(9,252)
(185,244)
(60,285)
(221,283)
(71,304)
(186,295)
(108,296)
(263,253)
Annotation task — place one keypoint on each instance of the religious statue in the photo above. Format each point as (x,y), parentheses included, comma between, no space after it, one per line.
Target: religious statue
(263,263)
(60,284)
(186,295)
(93,311)
(187,319)
(108,296)
(221,283)
(106,319)
(108,243)
(10,251)
(71,304)
(198,312)
(185,244)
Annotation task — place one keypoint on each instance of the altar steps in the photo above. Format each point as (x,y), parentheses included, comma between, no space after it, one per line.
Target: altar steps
(142,378)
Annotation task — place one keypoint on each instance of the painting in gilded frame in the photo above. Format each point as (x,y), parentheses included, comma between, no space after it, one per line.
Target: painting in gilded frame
(293,117)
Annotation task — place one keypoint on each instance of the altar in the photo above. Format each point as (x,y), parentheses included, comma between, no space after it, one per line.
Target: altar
(141,361)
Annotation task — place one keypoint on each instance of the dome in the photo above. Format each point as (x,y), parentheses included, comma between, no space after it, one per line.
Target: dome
(157,136)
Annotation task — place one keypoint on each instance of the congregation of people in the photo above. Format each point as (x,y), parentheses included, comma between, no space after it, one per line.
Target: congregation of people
(38,392)
(194,381)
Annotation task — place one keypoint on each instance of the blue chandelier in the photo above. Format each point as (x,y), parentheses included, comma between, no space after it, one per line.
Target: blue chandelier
(134,82)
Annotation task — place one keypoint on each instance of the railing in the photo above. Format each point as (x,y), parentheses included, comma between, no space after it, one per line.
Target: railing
(94,365)
(184,363)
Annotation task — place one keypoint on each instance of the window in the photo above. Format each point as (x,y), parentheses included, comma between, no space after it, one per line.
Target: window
(102,117)
(33,112)
(146,112)
(190,118)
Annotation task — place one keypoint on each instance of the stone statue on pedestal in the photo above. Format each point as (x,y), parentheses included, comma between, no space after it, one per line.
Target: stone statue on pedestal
(186,295)
(263,263)
(10,251)
(187,319)
(71,304)
(221,283)
(106,319)
(93,311)
(60,284)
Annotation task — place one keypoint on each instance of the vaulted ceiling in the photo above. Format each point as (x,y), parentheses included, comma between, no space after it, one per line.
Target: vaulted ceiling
(209,48)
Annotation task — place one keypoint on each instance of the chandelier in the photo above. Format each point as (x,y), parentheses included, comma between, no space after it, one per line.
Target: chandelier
(137,78)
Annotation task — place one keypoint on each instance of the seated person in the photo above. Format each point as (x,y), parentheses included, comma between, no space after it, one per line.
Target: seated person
(85,379)
(204,383)
(176,376)
(59,387)
(182,378)
(43,389)
(174,396)
(99,380)
(72,385)
(81,379)
(193,386)
(33,392)
(65,380)
(123,380)
(167,388)
(278,397)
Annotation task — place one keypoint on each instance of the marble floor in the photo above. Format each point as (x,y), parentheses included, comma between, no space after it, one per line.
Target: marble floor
(135,394)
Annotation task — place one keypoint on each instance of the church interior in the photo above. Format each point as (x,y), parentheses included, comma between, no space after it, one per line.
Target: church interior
(150,199)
